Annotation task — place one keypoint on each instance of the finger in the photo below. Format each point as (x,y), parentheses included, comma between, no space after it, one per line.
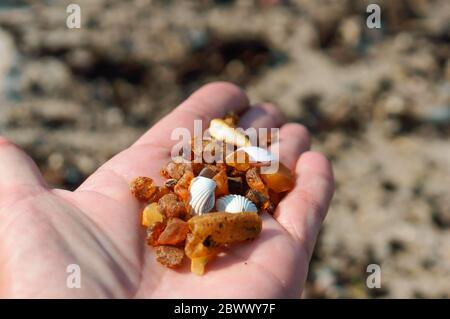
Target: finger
(293,140)
(210,101)
(303,210)
(16,167)
(263,115)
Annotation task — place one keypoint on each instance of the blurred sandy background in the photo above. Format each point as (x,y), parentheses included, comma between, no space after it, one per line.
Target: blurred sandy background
(376,101)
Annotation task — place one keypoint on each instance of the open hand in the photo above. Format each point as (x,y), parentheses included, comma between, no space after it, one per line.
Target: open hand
(97,227)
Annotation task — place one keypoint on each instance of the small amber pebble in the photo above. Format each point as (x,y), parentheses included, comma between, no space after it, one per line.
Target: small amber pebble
(169,256)
(174,170)
(221,180)
(175,232)
(281,181)
(182,187)
(256,197)
(238,160)
(254,181)
(151,215)
(198,264)
(160,192)
(171,206)
(231,119)
(143,188)
(153,233)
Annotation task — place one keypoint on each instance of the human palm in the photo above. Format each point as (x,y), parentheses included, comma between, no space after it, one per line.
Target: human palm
(97,227)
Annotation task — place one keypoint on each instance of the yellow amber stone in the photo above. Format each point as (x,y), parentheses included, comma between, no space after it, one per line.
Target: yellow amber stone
(198,265)
(151,215)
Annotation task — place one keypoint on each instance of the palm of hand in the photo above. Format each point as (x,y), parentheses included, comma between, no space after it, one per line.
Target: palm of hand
(97,227)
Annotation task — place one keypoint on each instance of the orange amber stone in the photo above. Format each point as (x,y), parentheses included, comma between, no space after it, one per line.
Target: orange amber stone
(160,192)
(254,181)
(239,160)
(221,180)
(170,256)
(182,187)
(281,181)
(175,232)
(153,233)
(143,188)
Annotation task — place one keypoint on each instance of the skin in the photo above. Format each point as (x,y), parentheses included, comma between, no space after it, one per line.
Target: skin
(97,227)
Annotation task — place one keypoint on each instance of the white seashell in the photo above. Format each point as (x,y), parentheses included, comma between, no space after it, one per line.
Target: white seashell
(201,193)
(235,204)
(223,132)
(258,154)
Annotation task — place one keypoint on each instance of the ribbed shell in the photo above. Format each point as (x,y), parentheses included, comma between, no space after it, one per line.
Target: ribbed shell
(235,204)
(202,195)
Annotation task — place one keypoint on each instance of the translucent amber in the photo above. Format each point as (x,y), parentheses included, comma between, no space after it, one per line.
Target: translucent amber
(221,180)
(175,232)
(281,181)
(182,186)
(151,215)
(255,182)
(231,119)
(238,160)
(217,229)
(198,264)
(160,192)
(256,197)
(143,188)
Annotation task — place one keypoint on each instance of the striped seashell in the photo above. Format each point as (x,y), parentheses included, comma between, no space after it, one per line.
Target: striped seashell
(201,193)
(235,204)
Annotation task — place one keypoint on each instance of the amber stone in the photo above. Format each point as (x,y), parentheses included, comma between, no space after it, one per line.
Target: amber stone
(208,171)
(221,229)
(239,160)
(153,233)
(143,188)
(281,181)
(221,180)
(254,181)
(151,215)
(256,197)
(182,187)
(175,232)
(211,231)
(160,192)
(170,256)
(171,206)
(174,170)
(231,119)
